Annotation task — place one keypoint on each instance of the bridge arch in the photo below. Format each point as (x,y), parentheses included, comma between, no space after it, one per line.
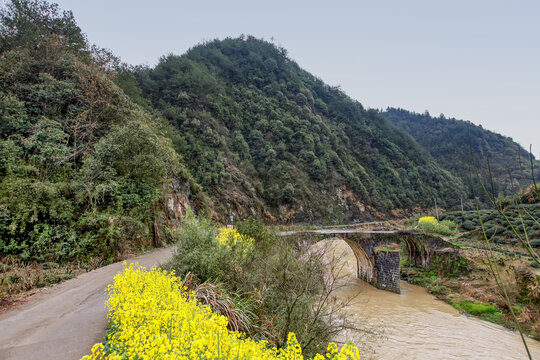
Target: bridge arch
(417,253)
(364,264)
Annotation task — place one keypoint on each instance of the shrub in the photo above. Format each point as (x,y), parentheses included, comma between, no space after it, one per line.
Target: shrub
(468,225)
(427,220)
(449,265)
(199,252)
(234,240)
(449,224)
(429,224)
(499,240)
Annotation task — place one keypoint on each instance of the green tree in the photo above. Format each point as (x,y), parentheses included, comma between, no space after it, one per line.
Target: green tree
(28,23)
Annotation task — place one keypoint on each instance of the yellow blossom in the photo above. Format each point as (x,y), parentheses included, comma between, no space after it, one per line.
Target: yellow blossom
(151,318)
(427,219)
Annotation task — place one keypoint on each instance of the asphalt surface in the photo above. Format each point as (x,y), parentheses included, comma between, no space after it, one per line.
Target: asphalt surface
(66,320)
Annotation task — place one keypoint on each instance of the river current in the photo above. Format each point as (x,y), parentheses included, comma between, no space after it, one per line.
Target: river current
(415,325)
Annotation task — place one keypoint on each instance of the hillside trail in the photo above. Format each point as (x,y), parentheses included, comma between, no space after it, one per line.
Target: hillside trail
(64,321)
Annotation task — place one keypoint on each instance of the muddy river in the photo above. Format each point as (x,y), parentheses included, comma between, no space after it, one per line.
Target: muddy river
(414,325)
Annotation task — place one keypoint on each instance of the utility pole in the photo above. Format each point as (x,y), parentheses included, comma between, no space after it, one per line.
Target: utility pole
(461,198)
(436,210)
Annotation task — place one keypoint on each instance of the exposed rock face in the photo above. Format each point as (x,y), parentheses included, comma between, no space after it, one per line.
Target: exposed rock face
(178,202)
(169,213)
(349,200)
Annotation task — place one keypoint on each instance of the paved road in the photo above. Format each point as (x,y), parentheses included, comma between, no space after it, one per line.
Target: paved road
(66,320)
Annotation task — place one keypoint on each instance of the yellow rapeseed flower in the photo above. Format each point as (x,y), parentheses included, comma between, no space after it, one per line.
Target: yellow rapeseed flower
(151,318)
(428,220)
(232,238)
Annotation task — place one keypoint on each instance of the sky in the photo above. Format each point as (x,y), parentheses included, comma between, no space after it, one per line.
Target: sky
(475,60)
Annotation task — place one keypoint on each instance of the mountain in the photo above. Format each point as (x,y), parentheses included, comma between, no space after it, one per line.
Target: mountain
(266,138)
(502,164)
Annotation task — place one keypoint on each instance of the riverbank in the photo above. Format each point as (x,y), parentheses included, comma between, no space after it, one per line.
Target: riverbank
(474,291)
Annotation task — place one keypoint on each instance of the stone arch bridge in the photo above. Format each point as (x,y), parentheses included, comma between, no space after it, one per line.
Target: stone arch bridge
(378,252)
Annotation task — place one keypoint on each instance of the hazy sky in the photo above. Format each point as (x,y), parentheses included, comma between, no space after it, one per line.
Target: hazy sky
(477,60)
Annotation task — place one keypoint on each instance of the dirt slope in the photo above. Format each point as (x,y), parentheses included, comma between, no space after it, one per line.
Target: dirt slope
(65,321)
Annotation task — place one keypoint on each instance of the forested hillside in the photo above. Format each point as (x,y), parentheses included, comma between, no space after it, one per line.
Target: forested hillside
(82,168)
(265,137)
(451,142)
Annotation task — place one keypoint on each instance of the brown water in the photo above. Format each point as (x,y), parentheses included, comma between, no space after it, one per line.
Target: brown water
(415,325)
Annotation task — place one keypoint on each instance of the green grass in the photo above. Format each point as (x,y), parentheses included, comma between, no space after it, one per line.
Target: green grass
(477,308)
(484,311)
(461,245)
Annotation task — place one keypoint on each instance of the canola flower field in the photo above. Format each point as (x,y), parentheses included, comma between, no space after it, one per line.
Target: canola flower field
(152,318)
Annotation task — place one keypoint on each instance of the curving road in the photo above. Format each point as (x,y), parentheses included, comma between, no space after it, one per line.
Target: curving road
(65,321)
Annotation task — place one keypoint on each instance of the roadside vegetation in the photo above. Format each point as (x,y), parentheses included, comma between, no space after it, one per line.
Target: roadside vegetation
(83,169)
(178,326)
(271,285)
(246,293)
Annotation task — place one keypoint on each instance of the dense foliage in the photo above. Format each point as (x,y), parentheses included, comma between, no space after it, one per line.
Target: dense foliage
(89,148)
(81,166)
(501,164)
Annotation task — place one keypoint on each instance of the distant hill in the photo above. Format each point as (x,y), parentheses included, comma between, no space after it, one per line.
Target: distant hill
(266,138)
(450,142)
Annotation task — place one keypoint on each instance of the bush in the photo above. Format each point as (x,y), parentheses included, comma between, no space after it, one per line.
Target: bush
(468,225)
(427,220)
(254,229)
(233,240)
(430,225)
(199,252)
(499,240)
